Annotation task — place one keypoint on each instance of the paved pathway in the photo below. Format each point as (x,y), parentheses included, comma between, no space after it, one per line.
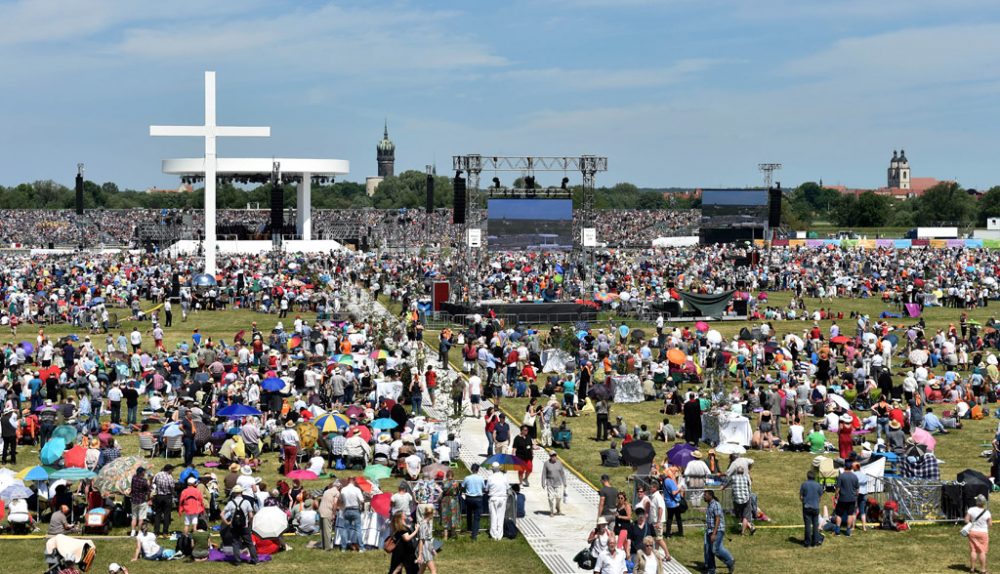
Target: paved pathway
(556,539)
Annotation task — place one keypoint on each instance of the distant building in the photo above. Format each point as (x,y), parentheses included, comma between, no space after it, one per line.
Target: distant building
(385,154)
(900,184)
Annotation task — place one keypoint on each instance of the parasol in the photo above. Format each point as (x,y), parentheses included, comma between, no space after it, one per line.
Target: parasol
(65,432)
(238,411)
(918,356)
(302,475)
(920,436)
(381,504)
(384,424)
(638,453)
(676,356)
(72,474)
(35,473)
(202,434)
(701,326)
(116,476)
(353,411)
(270,522)
(506,461)
(75,457)
(892,338)
(714,337)
(332,422)
(308,433)
(16,492)
(377,472)
(598,392)
(680,455)
(52,451)
(839,401)
(840,339)
(272,384)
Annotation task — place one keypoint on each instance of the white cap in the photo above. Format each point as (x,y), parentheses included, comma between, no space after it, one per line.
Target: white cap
(114,567)
(496,465)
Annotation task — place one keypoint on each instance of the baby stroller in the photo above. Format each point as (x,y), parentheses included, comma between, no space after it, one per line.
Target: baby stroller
(68,555)
(97,520)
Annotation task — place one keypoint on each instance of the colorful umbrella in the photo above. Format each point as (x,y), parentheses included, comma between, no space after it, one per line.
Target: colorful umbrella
(382,503)
(676,356)
(353,411)
(302,475)
(840,340)
(701,326)
(379,354)
(116,476)
(344,359)
(361,430)
(52,451)
(308,433)
(238,411)
(331,422)
(384,424)
(65,432)
(16,492)
(72,474)
(75,457)
(506,462)
(35,473)
(377,472)
(295,342)
(272,384)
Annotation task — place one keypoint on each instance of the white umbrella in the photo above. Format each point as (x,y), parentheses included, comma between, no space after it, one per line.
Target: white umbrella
(869,338)
(918,356)
(730,448)
(7,478)
(714,337)
(270,522)
(991,359)
(839,401)
(173,430)
(799,343)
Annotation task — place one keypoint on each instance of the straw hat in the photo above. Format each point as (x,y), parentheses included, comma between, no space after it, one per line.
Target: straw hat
(894,425)
(697,454)
(289,425)
(234,467)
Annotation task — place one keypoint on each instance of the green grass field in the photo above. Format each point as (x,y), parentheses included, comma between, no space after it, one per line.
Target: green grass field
(777,546)
(461,556)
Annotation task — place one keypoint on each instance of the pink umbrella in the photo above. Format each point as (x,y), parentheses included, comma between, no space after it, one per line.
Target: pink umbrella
(302,475)
(920,436)
(762,296)
(381,504)
(701,326)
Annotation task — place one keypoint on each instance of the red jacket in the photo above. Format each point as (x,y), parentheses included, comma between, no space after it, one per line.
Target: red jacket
(191,501)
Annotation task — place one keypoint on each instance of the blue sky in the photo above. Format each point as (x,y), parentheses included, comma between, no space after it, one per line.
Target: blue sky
(674,92)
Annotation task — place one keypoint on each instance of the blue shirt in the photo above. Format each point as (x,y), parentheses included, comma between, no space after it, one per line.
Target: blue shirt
(473,485)
(932,423)
(714,509)
(669,498)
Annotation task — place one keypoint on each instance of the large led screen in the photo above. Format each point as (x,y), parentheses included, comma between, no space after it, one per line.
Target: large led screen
(530,224)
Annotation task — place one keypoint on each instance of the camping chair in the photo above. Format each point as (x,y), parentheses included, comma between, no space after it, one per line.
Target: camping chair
(172,444)
(826,473)
(147,444)
(891,463)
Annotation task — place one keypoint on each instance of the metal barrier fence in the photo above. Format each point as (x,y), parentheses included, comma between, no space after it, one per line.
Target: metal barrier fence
(918,499)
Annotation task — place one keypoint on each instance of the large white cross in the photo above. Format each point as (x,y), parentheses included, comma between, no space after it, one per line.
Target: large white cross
(210,131)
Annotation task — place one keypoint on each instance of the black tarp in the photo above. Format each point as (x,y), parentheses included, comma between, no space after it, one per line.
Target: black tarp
(976,483)
(712,305)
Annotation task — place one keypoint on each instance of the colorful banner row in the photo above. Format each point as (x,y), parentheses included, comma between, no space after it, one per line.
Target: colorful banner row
(883,243)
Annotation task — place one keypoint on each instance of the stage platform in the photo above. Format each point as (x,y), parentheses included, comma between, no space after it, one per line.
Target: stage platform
(566,312)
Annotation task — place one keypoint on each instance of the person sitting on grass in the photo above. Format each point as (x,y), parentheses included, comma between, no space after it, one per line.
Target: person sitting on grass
(610,457)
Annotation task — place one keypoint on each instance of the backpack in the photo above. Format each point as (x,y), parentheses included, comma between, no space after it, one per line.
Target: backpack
(238,522)
(185,545)
(509,529)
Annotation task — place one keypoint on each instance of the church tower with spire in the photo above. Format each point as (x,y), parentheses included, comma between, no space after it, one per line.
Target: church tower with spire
(386,154)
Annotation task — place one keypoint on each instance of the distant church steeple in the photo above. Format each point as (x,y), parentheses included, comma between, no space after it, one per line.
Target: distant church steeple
(386,154)
(899,171)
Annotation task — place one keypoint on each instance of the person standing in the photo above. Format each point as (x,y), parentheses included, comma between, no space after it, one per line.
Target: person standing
(846,487)
(979,534)
(603,412)
(163,500)
(607,499)
(692,420)
(237,516)
(289,446)
(611,561)
(188,429)
(8,432)
(554,482)
(131,396)
(474,486)
(501,435)
(403,558)
(672,496)
(353,502)
(715,531)
(328,514)
(139,495)
(425,545)
(191,505)
(740,484)
(810,493)
(524,450)
(168,313)
(496,487)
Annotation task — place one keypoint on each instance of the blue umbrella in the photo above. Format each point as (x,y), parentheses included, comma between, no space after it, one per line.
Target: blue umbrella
(52,451)
(331,421)
(36,473)
(73,474)
(238,411)
(172,430)
(384,424)
(96,301)
(16,492)
(272,384)
(28,347)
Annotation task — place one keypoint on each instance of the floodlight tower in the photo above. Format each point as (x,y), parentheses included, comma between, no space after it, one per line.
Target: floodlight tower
(768,170)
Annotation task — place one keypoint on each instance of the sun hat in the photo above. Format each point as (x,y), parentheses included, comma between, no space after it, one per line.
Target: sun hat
(246,471)
(696,454)
(895,425)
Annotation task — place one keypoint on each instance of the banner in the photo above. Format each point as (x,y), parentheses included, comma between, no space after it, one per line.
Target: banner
(713,305)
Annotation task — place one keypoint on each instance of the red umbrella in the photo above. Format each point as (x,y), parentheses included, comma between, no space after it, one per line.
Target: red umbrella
(381,504)
(840,340)
(353,411)
(302,475)
(75,457)
(363,431)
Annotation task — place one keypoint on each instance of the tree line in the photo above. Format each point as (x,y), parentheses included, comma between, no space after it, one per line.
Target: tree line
(407,190)
(947,203)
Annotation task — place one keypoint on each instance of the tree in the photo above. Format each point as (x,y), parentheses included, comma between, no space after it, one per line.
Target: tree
(865,210)
(945,203)
(989,204)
